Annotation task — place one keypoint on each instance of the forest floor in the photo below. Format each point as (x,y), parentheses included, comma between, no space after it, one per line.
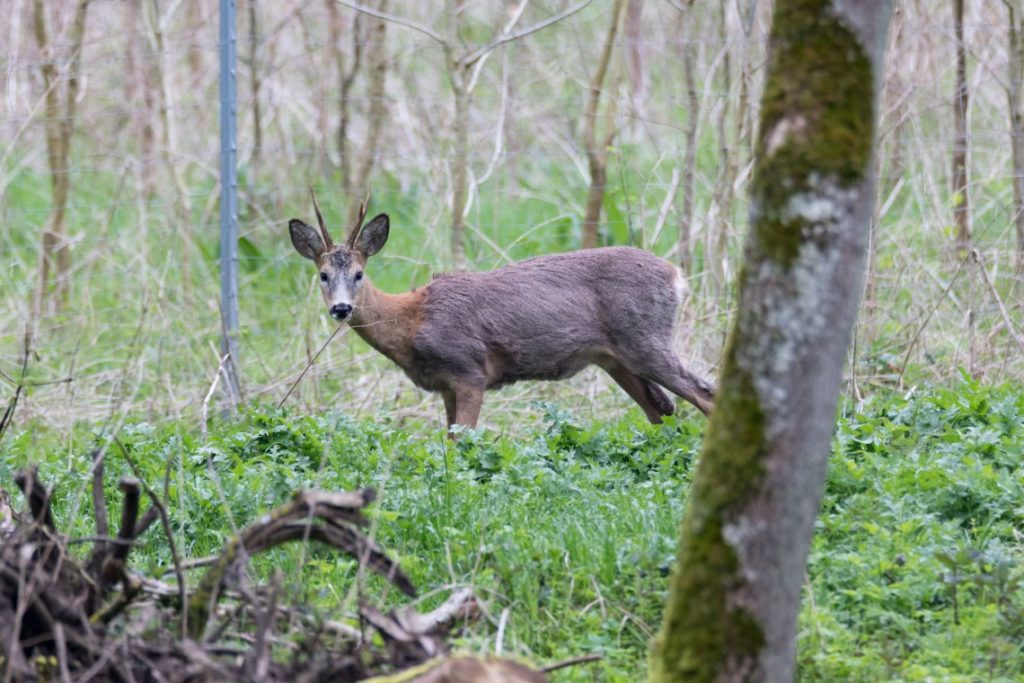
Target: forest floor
(567,532)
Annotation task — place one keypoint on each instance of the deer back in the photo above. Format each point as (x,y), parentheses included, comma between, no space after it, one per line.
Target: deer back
(546,317)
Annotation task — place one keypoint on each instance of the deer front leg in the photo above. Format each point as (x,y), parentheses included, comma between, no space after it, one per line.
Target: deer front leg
(449,408)
(468,399)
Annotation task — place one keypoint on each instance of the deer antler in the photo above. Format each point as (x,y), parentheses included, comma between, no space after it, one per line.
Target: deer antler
(320,220)
(363,206)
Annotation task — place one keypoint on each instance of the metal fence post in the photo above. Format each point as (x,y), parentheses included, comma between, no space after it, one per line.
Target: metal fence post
(229,198)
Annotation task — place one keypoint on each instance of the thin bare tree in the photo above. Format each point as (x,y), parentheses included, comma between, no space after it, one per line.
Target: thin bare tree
(636,65)
(357,184)
(59,110)
(195,20)
(747,10)
(141,91)
(961,205)
(896,112)
(160,17)
(735,592)
(723,196)
(1015,104)
(597,149)
(347,68)
(255,83)
(464,65)
(689,58)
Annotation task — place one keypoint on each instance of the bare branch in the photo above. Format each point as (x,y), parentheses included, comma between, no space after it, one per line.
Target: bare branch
(976,255)
(36,494)
(209,394)
(308,366)
(129,517)
(330,518)
(168,532)
(516,15)
(506,38)
(573,661)
(395,19)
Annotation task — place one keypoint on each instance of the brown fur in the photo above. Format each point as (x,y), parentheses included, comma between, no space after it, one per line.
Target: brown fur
(389,322)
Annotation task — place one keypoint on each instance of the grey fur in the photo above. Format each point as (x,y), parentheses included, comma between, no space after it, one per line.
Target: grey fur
(549,317)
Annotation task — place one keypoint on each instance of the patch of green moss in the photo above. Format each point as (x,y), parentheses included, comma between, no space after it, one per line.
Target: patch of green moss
(701,628)
(821,78)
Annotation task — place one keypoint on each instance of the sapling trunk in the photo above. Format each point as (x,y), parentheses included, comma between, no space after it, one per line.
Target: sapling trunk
(689,56)
(378,70)
(1015,82)
(961,205)
(59,126)
(597,147)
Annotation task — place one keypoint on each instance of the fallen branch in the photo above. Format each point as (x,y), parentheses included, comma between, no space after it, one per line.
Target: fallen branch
(100,621)
(338,515)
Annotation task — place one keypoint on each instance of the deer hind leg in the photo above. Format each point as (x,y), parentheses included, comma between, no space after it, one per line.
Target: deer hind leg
(665,369)
(647,395)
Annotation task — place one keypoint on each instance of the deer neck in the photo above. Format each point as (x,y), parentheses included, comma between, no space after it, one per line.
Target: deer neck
(388,322)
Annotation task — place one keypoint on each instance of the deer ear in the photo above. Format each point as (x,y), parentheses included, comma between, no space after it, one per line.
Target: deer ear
(306,240)
(373,235)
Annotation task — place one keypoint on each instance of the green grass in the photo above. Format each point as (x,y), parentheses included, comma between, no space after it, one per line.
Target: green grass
(573,527)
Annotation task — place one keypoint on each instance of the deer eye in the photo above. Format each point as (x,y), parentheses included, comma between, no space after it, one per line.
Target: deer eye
(323,277)
(359,275)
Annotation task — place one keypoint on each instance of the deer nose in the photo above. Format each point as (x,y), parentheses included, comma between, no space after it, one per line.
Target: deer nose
(341,311)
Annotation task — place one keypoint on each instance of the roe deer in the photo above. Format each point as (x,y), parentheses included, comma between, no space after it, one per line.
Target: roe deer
(544,318)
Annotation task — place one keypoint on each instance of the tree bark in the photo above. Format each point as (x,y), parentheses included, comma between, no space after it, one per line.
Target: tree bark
(735,592)
(961,212)
(597,150)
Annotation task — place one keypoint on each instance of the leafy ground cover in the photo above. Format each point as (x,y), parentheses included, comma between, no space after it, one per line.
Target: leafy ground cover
(569,534)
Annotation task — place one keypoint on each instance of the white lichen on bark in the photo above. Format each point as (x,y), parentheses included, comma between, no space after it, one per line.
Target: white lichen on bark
(790,302)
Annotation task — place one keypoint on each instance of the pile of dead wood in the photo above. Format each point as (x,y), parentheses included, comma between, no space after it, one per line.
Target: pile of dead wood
(94,618)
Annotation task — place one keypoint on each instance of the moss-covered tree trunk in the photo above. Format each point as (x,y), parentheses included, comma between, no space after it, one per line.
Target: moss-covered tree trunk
(735,593)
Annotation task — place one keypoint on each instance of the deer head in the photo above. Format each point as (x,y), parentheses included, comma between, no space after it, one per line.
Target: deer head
(340,266)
